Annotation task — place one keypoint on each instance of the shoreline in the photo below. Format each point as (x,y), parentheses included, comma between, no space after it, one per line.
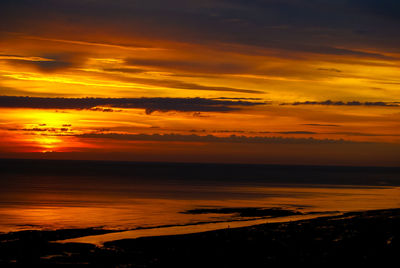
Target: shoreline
(67,235)
(243,214)
(371,236)
(190,228)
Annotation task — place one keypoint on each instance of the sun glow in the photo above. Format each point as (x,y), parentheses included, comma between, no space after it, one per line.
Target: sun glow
(49,144)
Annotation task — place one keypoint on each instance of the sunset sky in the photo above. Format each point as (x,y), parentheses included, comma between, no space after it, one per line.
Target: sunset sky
(263,81)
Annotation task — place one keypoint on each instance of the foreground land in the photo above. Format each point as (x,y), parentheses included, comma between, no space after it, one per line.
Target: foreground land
(361,238)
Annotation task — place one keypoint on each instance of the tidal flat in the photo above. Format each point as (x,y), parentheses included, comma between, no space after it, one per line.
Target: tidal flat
(358,238)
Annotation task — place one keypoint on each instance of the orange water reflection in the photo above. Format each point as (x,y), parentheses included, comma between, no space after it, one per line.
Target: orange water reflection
(118,210)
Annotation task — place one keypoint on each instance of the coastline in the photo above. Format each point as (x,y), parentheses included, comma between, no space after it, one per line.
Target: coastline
(355,237)
(191,228)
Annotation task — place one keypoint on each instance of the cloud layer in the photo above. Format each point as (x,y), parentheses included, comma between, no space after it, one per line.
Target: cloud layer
(325,27)
(342,103)
(149,104)
(210,138)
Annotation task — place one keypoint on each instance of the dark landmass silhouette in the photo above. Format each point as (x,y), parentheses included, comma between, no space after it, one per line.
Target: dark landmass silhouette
(246,211)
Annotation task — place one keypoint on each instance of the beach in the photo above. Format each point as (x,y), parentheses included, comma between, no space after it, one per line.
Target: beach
(367,237)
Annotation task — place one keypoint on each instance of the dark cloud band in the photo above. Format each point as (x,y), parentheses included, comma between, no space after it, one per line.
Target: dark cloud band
(210,138)
(149,104)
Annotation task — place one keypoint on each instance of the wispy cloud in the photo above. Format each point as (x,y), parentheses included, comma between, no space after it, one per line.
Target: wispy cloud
(343,103)
(297,132)
(198,66)
(321,125)
(47,63)
(168,83)
(10,91)
(330,70)
(364,134)
(22,58)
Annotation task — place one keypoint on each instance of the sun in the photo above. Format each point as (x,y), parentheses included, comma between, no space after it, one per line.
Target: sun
(49,144)
(44,130)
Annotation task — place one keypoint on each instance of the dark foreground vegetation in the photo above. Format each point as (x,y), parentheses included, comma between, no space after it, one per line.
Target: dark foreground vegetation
(357,238)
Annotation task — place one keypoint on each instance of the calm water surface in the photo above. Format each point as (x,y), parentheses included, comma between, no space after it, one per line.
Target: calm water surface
(63,194)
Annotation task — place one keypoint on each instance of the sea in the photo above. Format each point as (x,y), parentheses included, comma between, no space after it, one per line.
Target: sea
(61,194)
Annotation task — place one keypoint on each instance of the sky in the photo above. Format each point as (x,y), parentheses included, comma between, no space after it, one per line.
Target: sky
(264,81)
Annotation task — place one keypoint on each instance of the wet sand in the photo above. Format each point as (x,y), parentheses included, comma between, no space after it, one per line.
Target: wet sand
(357,238)
(101,239)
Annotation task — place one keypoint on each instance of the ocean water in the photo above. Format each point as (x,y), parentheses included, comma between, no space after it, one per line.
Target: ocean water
(50,194)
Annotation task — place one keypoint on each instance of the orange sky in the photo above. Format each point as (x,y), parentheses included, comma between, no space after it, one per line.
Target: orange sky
(271,91)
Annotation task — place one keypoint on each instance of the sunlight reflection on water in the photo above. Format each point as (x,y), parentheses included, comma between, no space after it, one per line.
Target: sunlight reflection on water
(50,203)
